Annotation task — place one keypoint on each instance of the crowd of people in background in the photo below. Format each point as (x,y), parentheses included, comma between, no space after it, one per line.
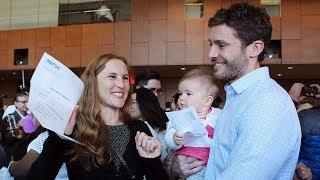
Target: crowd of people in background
(257,130)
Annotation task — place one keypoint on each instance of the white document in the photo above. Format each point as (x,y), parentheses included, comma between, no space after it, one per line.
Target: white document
(188,122)
(54,92)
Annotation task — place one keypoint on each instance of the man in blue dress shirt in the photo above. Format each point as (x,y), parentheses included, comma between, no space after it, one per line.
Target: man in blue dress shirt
(258,133)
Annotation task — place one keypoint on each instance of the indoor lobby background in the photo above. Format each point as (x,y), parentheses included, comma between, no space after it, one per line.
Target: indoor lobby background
(168,36)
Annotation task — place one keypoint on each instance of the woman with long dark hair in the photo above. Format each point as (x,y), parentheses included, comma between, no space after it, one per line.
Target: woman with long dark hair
(112,145)
(145,107)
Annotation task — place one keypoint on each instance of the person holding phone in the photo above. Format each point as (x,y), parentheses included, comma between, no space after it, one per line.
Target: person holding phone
(299,92)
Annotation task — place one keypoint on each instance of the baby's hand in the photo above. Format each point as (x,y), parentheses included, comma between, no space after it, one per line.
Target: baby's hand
(178,138)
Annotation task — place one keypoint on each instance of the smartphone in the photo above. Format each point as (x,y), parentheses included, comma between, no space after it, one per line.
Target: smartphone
(309,91)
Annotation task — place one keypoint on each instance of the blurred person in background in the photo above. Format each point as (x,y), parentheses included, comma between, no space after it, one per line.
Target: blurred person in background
(308,166)
(174,102)
(1,107)
(145,107)
(12,134)
(150,80)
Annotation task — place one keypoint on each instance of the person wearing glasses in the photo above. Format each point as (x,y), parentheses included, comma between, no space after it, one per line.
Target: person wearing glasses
(150,80)
(12,133)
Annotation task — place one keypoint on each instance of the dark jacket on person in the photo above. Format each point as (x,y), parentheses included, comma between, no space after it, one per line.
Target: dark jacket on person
(310,142)
(56,151)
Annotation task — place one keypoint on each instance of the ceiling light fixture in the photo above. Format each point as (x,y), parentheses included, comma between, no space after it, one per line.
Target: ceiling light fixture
(183,68)
(279,75)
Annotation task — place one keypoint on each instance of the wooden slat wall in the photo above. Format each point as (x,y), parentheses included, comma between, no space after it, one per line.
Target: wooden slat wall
(176,21)
(14,39)
(290,19)
(276,28)
(176,33)
(73,35)
(73,45)
(14,42)
(105,48)
(58,36)
(43,37)
(140,32)
(140,9)
(176,10)
(159,34)
(122,39)
(140,21)
(194,41)
(105,33)
(157,42)
(4,40)
(3,58)
(158,10)
(58,43)
(139,54)
(39,53)
(291,51)
(28,40)
(310,7)
(90,34)
(176,53)
(209,8)
(310,41)
(73,56)
(88,52)
(64,43)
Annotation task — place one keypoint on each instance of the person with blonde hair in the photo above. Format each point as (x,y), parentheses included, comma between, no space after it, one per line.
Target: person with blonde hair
(112,145)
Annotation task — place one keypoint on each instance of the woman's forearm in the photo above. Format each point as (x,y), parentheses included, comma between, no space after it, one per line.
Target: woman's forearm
(20,168)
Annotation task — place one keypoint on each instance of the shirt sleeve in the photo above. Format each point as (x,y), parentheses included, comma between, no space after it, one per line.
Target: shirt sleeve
(37,143)
(50,160)
(268,135)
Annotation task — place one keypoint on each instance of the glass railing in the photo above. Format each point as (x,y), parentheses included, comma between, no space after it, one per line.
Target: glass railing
(17,14)
(273,7)
(194,9)
(82,12)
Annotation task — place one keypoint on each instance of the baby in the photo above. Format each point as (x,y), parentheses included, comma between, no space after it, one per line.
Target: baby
(197,89)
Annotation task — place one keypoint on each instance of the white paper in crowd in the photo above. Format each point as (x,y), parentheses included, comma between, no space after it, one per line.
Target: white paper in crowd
(187,121)
(54,92)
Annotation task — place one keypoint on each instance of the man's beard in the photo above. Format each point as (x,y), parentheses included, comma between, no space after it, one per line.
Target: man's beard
(233,69)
